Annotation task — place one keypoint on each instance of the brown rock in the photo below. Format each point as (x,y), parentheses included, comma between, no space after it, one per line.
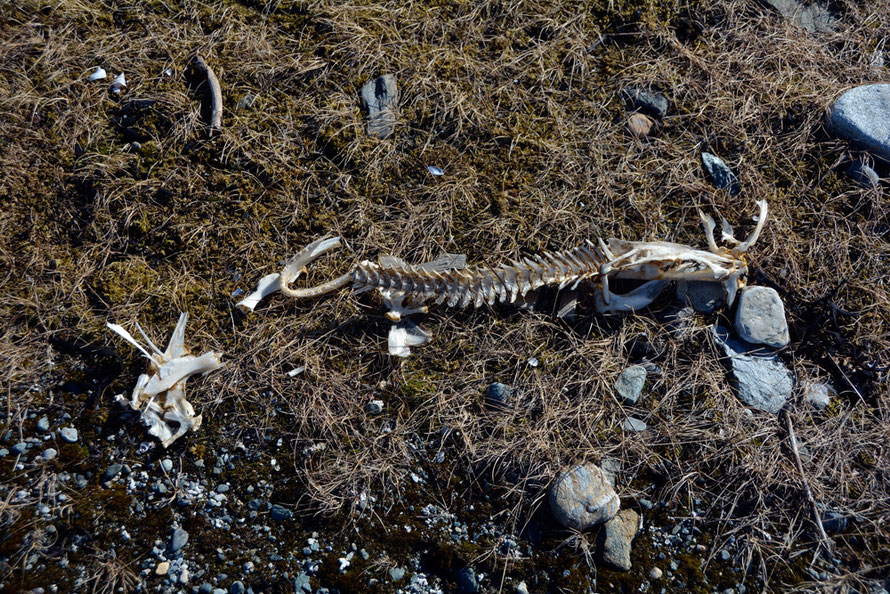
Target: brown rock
(639,125)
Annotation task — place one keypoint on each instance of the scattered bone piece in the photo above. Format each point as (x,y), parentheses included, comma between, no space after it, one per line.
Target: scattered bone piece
(404,335)
(216,106)
(118,84)
(160,394)
(99,74)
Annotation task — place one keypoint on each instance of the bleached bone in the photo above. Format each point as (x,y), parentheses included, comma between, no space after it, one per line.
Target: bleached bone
(160,394)
(409,289)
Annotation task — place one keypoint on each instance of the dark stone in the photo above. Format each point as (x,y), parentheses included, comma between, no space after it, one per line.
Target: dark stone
(280,513)
(645,100)
(178,539)
(720,173)
(111,472)
(466,581)
(498,395)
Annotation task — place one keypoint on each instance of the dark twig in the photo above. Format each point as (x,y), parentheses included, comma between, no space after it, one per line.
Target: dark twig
(824,541)
(215,92)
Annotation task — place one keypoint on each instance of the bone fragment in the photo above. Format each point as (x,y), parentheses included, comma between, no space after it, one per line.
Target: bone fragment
(216,107)
(403,336)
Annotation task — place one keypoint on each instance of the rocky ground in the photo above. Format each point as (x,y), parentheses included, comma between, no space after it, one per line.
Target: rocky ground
(703,444)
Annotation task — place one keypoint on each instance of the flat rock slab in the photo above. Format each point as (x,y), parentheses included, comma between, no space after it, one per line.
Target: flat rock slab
(582,497)
(812,16)
(759,377)
(862,115)
(617,535)
(760,317)
(380,98)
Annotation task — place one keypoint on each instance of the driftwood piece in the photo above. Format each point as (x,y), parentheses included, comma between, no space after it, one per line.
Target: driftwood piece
(215,92)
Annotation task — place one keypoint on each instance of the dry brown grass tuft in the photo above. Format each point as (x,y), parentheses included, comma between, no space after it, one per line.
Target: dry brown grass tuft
(518,103)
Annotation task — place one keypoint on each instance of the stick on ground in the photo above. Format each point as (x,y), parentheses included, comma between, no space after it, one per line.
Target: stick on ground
(826,542)
(215,92)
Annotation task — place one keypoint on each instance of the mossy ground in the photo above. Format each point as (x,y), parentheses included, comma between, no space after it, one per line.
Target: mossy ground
(519,105)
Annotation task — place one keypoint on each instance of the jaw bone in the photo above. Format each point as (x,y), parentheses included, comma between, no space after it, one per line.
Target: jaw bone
(160,394)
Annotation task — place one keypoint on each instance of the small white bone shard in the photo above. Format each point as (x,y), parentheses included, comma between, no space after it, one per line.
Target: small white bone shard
(160,394)
(404,335)
(99,74)
(267,285)
(118,83)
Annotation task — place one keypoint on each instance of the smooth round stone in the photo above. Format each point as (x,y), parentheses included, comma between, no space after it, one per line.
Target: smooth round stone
(760,317)
(49,454)
(582,497)
(167,464)
(862,115)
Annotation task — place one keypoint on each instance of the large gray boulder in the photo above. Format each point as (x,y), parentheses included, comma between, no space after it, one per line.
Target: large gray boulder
(582,497)
(862,115)
(759,378)
(760,317)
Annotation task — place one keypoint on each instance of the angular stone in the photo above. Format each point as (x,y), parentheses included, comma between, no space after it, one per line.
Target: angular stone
(498,395)
(280,513)
(812,16)
(650,102)
(178,539)
(617,535)
(466,581)
(634,425)
(582,497)
(862,115)
(111,472)
(703,296)
(380,98)
(720,173)
(68,434)
(630,382)
(759,378)
(639,125)
(760,317)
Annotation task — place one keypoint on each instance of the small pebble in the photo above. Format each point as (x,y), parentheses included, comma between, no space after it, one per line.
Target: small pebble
(111,472)
(655,573)
(162,568)
(178,540)
(43,424)
(69,434)
(19,448)
(725,555)
(639,125)
(167,464)
(375,407)
(49,453)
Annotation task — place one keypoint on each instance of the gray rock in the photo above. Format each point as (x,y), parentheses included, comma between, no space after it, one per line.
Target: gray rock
(655,573)
(616,537)
(610,467)
(862,115)
(178,539)
(280,513)
(396,573)
(521,588)
(630,382)
(43,424)
(19,448)
(812,16)
(760,379)
(720,173)
(237,588)
(466,580)
(68,434)
(833,522)
(818,394)
(498,395)
(703,296)
(651,102)
(3,452)
(111,472)
(862,173)
(760,317)
(380,98)
(301,584)
(634,425)
(167,464)
(581,497)
(375,407)
(49,454)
